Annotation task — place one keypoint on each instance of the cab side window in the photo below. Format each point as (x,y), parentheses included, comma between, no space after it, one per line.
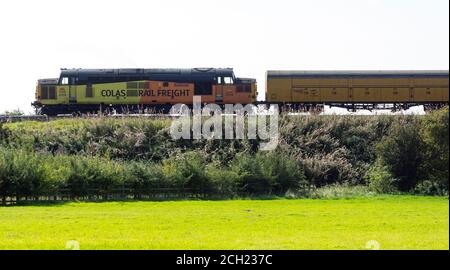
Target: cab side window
(228,80)
(64,80)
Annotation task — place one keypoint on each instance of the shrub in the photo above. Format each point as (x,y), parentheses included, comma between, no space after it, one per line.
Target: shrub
(251,178)
(283,171)
(333,149)
(401,152)
(143,176)
(223,180)
(5,168)
(130,139)
(21,173)
(188,170)
(55,174)
(98,174)
(106,154)
(267,173)
(431,188)
(380,180)
(328,169)
(4,133)
(434,133)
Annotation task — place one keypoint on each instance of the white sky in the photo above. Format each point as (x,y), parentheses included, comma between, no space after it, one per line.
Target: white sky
(37,38)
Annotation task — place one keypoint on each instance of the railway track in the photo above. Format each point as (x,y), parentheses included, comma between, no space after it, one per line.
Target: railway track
(44,118)
(11,118)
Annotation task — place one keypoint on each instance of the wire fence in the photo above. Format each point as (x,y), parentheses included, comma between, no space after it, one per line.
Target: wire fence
(72,194)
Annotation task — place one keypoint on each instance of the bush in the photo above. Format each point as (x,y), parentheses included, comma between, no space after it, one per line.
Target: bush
(380,180)
(4,133)
(284,172)
(188,170)
(267,173)
(5,163)
(401,152)
(328,169)
(130,139)
(224,181)
(432,188)
(55,174)
(142,176)
(89,174)
(21,173)
(435,136)
(333,149)
(338,151)
(251,178)
(25,174)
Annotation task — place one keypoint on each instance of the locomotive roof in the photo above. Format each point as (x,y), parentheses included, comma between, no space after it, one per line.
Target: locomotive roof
(356,73)
(165,74)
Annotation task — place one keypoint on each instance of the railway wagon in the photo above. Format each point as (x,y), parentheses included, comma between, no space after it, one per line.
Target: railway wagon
(139,90)
(358,89)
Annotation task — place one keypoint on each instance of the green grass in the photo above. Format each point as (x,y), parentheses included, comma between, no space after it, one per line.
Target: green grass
(396,222)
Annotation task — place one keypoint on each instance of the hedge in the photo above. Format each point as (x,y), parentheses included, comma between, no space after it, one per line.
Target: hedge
(387,153)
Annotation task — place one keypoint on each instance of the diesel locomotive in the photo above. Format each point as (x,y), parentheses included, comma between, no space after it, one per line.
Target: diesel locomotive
(139,90)
(79,91)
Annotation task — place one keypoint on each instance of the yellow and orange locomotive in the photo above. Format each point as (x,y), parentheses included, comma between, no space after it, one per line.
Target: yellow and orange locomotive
(139,90)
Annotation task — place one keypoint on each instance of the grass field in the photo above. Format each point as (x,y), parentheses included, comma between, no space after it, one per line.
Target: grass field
(396,222)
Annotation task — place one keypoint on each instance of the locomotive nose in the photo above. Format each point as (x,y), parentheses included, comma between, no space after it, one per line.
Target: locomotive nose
(42,86)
